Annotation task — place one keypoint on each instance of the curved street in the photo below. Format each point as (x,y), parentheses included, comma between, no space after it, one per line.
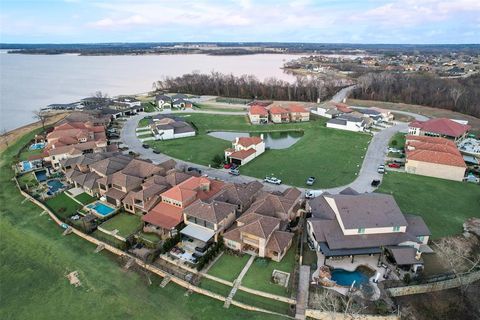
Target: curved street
(374,156)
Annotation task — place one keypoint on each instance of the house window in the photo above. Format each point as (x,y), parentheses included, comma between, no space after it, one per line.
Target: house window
(396,229)
(361,230)
(421,238)
(231,244)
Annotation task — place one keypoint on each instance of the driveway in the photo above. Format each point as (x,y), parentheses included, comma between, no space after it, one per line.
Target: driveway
(374,156)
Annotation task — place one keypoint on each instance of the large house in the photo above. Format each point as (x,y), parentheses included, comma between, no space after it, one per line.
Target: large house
(434,157)
(258,114)
(245,149)
(351,224)
(167,215)
(440,127)
(298,113)
(261,230)
(72,139)
(167,128)
(347,122)
(278,114)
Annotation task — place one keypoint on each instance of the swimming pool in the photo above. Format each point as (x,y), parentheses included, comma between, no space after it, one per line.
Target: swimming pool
(37,146)
(27,166)
(41,175)
(345,278)
(101,209)
(54,185)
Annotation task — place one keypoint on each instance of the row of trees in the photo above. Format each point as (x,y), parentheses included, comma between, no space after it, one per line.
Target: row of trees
(459,94)
(249,87)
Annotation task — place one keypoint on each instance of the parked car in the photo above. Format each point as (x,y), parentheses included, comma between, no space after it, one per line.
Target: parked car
(375,183)
(227,166)
(156,151)
(310,194)
(381,169)
(394,165)
(146,146)
(272,180)
(310,181)
(234,172)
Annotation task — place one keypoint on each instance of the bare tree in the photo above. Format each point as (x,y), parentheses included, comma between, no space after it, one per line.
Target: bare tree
(334,303)
(41,116)
(455,94)
(100,95)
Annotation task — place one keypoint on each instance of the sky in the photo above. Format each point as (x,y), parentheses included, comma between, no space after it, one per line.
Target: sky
(327,21)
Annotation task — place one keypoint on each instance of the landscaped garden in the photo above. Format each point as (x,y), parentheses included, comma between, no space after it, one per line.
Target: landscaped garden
(85,198)
(443,204)
(228,266)
(62,205)
(34,244)
(126,224)
(333,156)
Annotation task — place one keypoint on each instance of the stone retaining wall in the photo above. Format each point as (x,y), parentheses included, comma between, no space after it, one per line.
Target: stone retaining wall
(323,315)
(434,286)
(268,295)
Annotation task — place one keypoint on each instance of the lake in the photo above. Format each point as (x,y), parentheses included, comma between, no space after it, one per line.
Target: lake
(273,140)
(30,82)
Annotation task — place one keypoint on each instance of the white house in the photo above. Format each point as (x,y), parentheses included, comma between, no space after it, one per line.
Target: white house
(165,128)
(245,149)
(347,122)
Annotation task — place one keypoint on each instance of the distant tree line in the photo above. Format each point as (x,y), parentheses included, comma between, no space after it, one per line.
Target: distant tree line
(458,94)
(306,89)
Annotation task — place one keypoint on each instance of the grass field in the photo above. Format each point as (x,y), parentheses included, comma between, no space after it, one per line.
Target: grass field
(85,198)
(63,205)
(36,257)
(332,156)
(261,302)
(126,224)
(28,179)
(443,204)
(228,267)
(215,286)
(399,137)
(260,273)
(27,153)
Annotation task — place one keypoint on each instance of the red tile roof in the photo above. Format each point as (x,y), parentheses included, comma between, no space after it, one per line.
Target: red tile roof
(258,110)
(164,215)
(249,141)
(296,108)
(433,150)
(441,126)
(277,110)
(242,154)
(343,108)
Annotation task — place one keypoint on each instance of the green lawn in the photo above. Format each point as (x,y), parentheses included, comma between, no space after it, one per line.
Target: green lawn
(144,122)
(332,156)
(126,224)
(27,179)
(85,198)
(260,273)
(228,267)
(146,135)
(399,139)
(36,257)
(443,204)
(261,302)
(27,153)
(215,286)
(151,237)
(62,205)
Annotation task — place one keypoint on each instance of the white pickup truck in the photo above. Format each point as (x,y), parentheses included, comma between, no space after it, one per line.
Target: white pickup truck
(310,194)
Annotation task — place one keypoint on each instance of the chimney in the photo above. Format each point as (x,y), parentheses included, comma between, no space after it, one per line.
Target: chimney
(418,255)
(318,100)
(261,136)
(236,140)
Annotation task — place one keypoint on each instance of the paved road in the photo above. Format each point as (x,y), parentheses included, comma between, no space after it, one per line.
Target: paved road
(342,94)
(374,156)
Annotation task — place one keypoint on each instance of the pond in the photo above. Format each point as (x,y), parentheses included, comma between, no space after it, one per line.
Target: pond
(273,140)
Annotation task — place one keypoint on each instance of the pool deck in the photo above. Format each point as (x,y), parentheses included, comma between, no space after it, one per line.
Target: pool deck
(346,264)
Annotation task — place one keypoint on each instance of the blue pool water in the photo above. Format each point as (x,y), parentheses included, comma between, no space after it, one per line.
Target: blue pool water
(37,146)
(27,166)
(101,209)
(41,175)
(54,185)
(345,278)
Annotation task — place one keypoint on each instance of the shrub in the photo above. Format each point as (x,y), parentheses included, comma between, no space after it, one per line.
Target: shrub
(217,160)
(171,242)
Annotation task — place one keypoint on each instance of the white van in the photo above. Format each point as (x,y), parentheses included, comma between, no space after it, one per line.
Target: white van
(310,194)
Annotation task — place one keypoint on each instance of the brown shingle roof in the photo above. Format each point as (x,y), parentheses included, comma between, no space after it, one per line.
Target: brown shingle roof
(279,241)
(142,169)
(213,212)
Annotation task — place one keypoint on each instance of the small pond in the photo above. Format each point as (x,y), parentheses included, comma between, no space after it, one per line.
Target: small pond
(273,140)
(345,278)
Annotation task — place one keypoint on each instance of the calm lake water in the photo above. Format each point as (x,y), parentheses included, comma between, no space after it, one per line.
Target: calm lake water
(30,82)
(273,140)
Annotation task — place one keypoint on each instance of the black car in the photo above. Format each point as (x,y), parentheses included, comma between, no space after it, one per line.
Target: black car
(375,183)
(189,169)
(156,151)
(146,146)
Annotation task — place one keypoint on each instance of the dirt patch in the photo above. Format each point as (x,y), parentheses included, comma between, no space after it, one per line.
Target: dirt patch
(12,136)
(423,110)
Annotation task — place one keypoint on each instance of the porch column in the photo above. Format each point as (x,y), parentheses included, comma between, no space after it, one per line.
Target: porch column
(353,258)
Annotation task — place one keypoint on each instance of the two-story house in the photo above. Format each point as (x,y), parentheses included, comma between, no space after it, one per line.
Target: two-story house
(298,113)
(278,114)
(245,149)
(258,114)
(351,224)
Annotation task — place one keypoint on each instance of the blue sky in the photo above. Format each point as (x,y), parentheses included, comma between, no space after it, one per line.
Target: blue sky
(341,21)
